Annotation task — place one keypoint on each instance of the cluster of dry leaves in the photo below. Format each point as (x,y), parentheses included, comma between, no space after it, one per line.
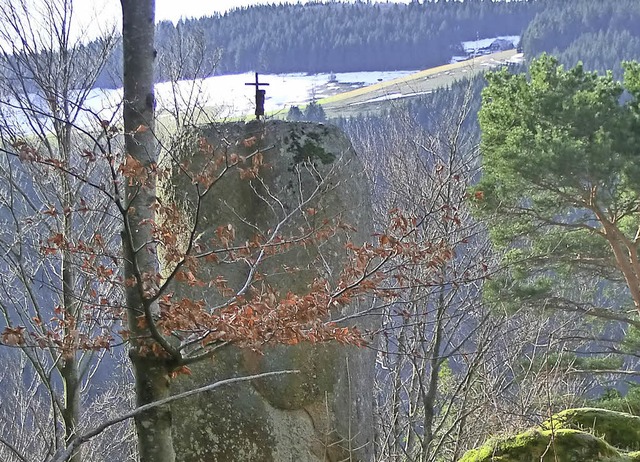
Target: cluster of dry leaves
(253,317)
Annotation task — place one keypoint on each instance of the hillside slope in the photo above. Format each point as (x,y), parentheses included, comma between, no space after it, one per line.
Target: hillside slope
(374,98)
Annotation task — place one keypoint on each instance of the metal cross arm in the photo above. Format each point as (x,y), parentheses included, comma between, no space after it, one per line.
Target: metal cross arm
(260,96)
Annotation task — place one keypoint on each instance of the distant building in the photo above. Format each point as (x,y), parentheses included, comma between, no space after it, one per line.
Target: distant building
(487,46)
(500,45)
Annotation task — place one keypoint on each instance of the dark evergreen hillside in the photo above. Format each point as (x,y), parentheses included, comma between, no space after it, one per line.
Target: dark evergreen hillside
(343,37)
(599,33)
(429,111)
(353,37)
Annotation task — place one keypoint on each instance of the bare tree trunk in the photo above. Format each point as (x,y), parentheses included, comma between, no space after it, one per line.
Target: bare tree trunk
(45,84)
(151,373)
(435,361)
(153,427)
(69,370)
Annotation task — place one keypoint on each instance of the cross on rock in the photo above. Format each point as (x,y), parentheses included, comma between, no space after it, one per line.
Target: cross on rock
(260,95)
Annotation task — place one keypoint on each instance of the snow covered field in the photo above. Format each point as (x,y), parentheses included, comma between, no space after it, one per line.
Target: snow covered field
(229,96)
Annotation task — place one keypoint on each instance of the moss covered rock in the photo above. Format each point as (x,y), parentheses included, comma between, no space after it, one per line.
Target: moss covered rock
(574,435)
(616,428)
(563,445)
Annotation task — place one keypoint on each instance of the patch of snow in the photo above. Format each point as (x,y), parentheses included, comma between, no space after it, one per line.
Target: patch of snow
(230,93)
(392,96)
(517,58)
(380,98)
(371,77)
(231,97)
(226,94)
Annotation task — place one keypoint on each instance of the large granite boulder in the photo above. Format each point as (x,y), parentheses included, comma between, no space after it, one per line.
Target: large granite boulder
(324,413)
(574,435)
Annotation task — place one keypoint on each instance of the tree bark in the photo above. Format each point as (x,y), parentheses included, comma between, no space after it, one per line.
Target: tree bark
(69,371)
(435,361)
(151,370)
(153,427)
(71,410)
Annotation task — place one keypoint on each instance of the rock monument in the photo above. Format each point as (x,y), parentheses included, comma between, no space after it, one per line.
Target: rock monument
(325,412)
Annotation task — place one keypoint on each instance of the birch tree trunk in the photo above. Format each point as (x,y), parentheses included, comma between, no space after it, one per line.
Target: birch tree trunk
(151,371)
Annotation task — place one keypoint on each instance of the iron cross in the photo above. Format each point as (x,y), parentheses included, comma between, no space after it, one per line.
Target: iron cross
(260,95)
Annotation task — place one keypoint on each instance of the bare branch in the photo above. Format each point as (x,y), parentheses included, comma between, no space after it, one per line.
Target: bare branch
(64,454)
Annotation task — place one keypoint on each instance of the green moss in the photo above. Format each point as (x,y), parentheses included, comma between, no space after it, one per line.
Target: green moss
(564,445)
(616,428)
(311,151)
(307,147)
(584,434)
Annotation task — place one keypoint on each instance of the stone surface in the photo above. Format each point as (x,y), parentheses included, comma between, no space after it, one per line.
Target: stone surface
(325,412)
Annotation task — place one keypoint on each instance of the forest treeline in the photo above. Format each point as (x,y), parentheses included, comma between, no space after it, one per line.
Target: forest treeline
(329,37)
(600,33)
(343,37)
